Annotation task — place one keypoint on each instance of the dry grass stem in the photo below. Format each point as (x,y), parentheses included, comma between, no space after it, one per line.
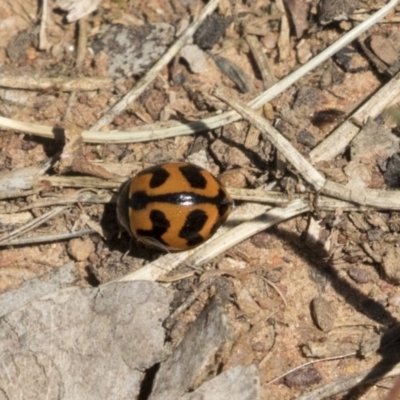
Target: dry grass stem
(289,80)
(284,34)
(83,182)
(321,203)
(4,239)
(258,196)
(82,44)
(44,20)
(262,61)
(276,288)
(63,84)
(303,167)
(79,197)
(49,238)
(13,194)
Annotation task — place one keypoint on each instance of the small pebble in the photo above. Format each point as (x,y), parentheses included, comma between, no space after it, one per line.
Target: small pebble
(233,178)
(359,275)
(323,314)
(306,138)
(263,240)
(80,249)
(303,377)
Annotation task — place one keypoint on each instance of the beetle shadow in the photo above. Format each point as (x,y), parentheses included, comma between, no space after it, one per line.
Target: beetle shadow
(51,146)
(122,242)
(389,349)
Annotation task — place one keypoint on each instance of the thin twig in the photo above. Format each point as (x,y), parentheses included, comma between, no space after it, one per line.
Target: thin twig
(284,33)
(43,42)
(82,43)
(61,84)
(261,60)
(31,225)
(83,182)
(281,295)
(48,238)
(73,198)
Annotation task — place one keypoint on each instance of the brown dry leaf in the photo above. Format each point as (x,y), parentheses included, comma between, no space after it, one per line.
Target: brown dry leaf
(77,8)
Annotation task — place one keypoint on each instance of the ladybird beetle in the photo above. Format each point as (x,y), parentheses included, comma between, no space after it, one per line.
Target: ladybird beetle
(175,206)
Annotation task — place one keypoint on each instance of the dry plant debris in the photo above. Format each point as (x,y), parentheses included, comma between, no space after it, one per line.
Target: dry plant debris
(298,295)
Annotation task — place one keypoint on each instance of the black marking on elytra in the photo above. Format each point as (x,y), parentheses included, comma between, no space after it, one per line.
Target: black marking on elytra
(194,223)
(159,177)
(160,225)
(140,199)
(194,176)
